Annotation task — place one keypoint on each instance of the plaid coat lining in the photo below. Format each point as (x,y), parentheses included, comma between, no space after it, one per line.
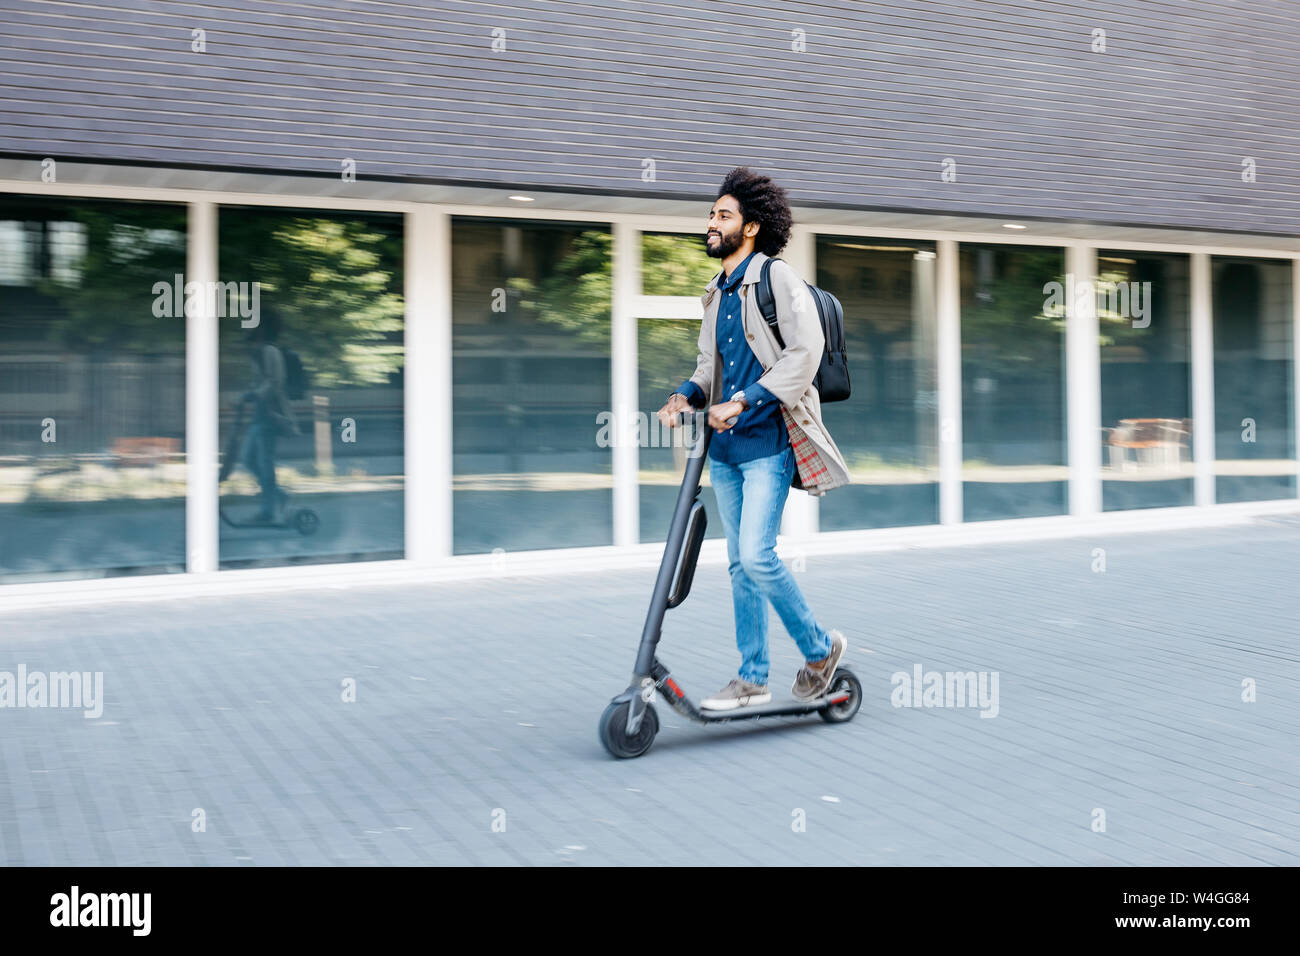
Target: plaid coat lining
(810,470)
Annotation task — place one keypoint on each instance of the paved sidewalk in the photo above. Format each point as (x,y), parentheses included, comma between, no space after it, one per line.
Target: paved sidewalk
(1118,691)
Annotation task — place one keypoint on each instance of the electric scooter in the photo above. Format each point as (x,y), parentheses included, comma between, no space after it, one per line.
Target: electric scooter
(629,724)
(303,520)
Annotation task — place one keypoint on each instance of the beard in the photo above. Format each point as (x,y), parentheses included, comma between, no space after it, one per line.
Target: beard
(726,244)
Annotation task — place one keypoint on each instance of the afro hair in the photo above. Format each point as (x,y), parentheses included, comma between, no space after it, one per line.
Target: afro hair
(761,201)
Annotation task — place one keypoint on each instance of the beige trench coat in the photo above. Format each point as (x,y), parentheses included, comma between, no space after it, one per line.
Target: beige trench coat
(787,374)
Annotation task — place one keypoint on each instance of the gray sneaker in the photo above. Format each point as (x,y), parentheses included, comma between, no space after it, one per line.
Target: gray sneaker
(739,693)
(811,682)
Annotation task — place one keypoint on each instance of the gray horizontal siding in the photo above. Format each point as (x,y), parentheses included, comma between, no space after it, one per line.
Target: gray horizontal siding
(1153,131)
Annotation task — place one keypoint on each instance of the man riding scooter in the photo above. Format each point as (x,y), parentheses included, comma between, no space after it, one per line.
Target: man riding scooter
(777,435)
(272,414)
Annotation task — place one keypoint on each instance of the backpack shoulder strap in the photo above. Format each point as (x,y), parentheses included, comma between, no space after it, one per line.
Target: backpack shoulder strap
(767,302)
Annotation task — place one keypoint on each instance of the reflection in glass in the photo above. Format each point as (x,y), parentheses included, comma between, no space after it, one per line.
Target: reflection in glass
(887,429)
(1253,377)
(311,399)
(92,389)
(1143,302)
(675,264)
(666,353)
(1013,382)
(671,264)
(530,362)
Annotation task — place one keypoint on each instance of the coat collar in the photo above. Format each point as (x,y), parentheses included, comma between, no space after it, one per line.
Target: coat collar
(752,274)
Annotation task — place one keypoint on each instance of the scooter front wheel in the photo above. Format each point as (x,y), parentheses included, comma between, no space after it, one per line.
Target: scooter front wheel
(844,682)
(613,731)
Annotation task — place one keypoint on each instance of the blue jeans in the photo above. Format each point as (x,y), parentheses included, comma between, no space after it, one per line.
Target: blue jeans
(751,496)
(258,455)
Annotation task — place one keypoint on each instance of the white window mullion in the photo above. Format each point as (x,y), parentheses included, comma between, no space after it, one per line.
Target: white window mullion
(948,373)
(1082,382)
(1202,382)
(202,532)
(623,383)
(1295,364)
(428,378)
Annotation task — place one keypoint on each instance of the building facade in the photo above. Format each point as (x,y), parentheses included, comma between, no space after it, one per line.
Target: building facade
(1066,241)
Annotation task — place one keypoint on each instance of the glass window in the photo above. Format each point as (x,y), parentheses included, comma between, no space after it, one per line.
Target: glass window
(1144,316)
(1253,378)
(1013,381)
(311,401)
(886,430)
(671,264)
(531,308)
(92,388)
(666,353)
(674,264)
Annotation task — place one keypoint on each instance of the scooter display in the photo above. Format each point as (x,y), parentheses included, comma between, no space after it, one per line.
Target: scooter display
(303,520)
(629,724)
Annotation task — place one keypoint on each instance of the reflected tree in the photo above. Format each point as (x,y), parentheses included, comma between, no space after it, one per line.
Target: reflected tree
(336,285)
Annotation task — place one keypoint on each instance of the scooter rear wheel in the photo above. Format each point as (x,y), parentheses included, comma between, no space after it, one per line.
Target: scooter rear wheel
(844,680)
(613,731)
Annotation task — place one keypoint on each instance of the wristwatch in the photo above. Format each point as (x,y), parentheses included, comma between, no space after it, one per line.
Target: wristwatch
(739,396)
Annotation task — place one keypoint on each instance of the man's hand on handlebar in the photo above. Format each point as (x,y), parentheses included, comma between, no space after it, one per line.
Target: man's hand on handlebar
(676,404)
(723,415)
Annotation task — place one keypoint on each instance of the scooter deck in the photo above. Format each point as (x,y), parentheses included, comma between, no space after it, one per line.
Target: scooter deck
(789,707)
(770,709)
(255,524)
(673,695)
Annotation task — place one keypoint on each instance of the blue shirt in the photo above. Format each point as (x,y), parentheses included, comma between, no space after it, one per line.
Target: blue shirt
(760,429)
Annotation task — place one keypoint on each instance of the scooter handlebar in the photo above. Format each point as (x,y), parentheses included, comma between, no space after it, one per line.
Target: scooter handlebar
(682,417)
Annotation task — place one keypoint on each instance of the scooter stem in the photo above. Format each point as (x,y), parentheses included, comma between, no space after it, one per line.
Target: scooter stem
(686,496)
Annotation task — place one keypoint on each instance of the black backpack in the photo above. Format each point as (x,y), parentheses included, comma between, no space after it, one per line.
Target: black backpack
(832,379)
(296,379)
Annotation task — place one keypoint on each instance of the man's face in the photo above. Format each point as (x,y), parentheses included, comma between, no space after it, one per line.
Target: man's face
(726,232)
